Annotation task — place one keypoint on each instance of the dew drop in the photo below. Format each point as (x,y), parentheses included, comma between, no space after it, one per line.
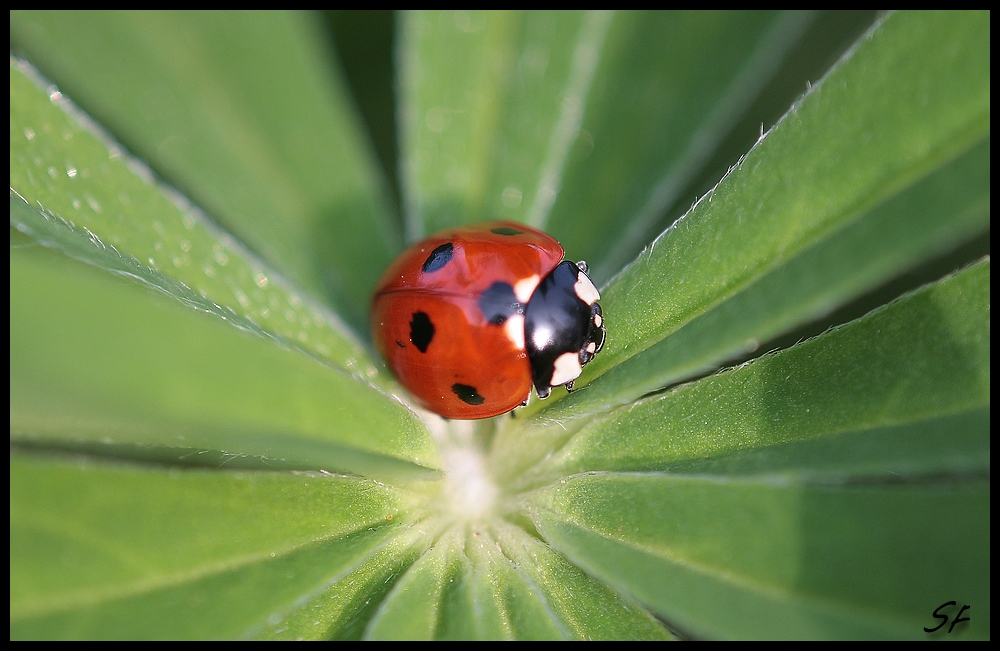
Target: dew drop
(511,197)
(96,207)
(437,119)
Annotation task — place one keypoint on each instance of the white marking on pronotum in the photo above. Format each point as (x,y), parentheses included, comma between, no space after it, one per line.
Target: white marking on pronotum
(514,327)
(566,367)
(524,288)
(585,290)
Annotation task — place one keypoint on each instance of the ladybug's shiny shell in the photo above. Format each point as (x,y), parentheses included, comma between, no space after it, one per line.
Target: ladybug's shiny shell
(468,319)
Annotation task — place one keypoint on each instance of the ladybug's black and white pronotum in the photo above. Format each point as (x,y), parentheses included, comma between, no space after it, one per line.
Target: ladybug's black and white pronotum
(469,319)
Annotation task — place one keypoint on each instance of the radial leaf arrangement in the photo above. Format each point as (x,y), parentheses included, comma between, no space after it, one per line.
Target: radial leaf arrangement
(204,445)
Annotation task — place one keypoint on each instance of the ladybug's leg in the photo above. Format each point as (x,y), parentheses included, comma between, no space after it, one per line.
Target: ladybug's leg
(569,385)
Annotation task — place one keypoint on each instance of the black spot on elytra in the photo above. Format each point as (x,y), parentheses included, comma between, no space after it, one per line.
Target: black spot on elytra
(498,303)
(467,394)
(421,331)
(504,230)
(438,258)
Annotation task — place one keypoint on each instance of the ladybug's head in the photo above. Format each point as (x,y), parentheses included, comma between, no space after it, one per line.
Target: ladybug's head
(563,327)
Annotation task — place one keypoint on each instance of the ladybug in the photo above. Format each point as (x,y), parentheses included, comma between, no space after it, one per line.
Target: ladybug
(470,318)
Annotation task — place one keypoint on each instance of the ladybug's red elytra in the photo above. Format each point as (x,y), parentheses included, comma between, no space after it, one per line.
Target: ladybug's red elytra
(468,319)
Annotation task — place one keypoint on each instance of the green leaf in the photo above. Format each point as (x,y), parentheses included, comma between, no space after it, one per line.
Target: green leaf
(754,558)
(247,115)
(488,100)
(102,359)
(412,610)
(502,111)
(100,206)
(342,610)
(496,582)
(777,499)
(904,390)
(584,607)
(112,551)
(884,163)
(669,88)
